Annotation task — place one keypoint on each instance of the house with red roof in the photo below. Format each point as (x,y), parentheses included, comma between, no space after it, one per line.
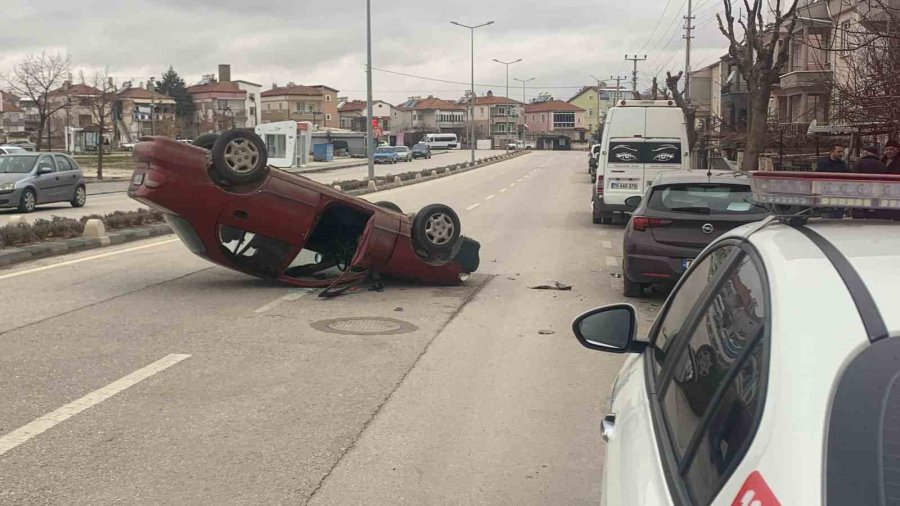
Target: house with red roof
(354,116)
(418,116)
(12,118)
(497,118)
(143,111)
(554,119)
(296,102)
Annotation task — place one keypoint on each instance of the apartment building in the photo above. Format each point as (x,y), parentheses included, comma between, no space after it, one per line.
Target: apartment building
(316,104)
(497,118)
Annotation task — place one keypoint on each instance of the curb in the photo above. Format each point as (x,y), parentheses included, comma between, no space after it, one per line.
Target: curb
(449,170)
(12,256)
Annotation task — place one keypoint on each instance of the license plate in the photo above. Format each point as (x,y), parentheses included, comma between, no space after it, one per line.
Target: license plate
(686,262)
(622,186)
(137,179)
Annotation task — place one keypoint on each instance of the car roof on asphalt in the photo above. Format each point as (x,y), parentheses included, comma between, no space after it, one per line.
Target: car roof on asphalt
(701,176)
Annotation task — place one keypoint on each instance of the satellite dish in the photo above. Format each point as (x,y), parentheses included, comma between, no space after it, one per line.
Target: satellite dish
(731,76)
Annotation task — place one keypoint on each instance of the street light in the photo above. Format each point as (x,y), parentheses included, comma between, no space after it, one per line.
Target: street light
(370,139)
(507,64)
(524,82)
(472,99)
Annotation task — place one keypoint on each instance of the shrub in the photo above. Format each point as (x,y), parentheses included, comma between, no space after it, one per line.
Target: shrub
(58,227)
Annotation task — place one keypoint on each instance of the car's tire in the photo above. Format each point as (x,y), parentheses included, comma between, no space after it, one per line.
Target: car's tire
(206,141)
(389,205)
(80,197)
(27,201)
(239,156)
(597,220)
(436,229)
(632,290)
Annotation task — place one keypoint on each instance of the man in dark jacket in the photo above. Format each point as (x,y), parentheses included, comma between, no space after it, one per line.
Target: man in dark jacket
(891,158)
(869,163)
(834,162)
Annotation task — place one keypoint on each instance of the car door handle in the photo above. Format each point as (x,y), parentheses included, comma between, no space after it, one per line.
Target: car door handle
(608,427)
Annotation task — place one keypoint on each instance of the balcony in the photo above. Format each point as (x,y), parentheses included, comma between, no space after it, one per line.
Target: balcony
(813,81)
(451,123)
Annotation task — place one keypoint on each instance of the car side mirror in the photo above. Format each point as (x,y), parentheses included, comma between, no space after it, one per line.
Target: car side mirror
(610,328)
(633,202)
(44,170)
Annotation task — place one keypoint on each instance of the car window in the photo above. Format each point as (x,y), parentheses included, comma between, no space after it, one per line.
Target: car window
(683,301)
(63,163)
(717,382)
(17,164)
(46,161)
(705,199)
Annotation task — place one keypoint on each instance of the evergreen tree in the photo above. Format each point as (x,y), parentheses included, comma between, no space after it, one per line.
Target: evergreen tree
(173,85)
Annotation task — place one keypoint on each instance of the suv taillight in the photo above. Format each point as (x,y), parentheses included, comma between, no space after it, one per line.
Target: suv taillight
(599,185)
(641,223)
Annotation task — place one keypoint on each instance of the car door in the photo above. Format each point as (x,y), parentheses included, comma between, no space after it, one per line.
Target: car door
(48,184)
(68,177)
(709,381)
(635,472)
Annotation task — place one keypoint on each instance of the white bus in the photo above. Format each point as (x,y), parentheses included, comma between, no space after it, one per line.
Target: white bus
(441,141)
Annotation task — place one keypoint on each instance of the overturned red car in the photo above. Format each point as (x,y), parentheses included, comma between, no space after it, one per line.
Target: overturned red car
(227,205)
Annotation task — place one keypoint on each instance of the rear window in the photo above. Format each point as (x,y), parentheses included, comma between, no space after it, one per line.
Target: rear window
(705,199)
(384,150)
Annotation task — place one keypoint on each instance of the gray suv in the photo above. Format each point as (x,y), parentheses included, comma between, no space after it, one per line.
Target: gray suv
(29,179)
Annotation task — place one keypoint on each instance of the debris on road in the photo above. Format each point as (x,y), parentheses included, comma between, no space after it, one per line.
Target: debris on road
(617,275)
(555,286)
(546,332)
(398,309)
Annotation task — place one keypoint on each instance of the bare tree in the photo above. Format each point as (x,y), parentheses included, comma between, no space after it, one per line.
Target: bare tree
(759,54)
(690,114)
(101,105)
(34,78)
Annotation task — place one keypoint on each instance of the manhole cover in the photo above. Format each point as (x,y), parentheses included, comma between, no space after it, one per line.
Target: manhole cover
(364,326)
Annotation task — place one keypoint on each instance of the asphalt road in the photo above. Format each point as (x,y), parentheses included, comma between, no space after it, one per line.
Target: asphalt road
(108,202)
(144,375)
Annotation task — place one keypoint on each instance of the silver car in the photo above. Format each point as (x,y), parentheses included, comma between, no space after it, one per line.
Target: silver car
(29,179)
(404,153)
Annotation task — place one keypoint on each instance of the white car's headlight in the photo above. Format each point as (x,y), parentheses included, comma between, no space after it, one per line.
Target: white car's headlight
(7,186)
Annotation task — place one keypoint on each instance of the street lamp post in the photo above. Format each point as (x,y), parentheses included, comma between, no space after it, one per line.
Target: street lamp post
(472,98)
(152,108)
(524,82)
(507,64)
(370,138)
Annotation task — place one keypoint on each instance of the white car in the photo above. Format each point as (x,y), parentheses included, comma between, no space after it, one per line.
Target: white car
(771,374)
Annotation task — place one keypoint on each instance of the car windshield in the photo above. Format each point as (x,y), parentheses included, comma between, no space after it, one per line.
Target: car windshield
(705,199)
(419,147)
(385,150)
(20,164)
(401,149)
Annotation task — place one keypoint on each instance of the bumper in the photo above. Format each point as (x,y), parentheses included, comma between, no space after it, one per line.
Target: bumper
(11,198)
(602,209)
(665,265)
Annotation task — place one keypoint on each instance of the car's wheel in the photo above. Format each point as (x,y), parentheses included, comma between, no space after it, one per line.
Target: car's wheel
(80,197)
(389,205)
(597,220)
(632,289)
(28,201)
(436,229)
(206,141)
(240,156)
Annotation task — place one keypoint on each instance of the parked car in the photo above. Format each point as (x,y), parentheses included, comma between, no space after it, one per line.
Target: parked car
(386,154)
(681,213)
(640,139)
(26,145)
(515,145)
(129,146)
(269,223)
(403,153)
(770,374)
(30,179)
(421,150)
(8,149)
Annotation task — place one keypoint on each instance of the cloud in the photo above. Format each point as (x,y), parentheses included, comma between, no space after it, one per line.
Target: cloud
(561,42)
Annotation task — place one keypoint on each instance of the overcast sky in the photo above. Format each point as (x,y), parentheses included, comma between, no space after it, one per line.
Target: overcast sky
(561,42)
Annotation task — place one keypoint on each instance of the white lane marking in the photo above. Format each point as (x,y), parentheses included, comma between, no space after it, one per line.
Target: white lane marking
(473,206)
(502,190)
(520,179)
(48,421)
(489,197)
(290,297)
(611,261)
(512,184)
(85,259)
(606,244)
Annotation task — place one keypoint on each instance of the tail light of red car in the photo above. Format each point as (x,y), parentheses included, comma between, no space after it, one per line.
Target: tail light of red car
(599,185)
(641,223)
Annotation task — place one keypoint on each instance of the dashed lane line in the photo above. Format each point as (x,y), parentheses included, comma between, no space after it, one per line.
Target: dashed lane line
(606,244)
(56,417)
(294,295)
(473,206)
(489,197)
(502,190)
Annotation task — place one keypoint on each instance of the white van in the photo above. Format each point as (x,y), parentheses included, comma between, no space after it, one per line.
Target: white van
(640,138)
(441,141)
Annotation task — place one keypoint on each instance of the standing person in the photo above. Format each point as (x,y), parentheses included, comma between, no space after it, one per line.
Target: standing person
(891,158)
(870,163)
(834,162)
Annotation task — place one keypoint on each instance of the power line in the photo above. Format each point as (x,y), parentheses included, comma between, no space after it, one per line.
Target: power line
(434,79)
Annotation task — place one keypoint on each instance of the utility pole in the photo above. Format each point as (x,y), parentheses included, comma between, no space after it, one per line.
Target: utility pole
(472,97)
(688,20)
(507,96)
(598,104)
(152,108)
(634,59)
(370,137)
(618,80)
(524,82)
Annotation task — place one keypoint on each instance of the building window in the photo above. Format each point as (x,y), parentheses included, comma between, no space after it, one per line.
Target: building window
(564,120)
(222,105)
(845,35)
(280,105)
(252,97)
(269,107)
(328,98)
(253,111)
(299,106)
(327,117)
(589,112)
(543,118)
